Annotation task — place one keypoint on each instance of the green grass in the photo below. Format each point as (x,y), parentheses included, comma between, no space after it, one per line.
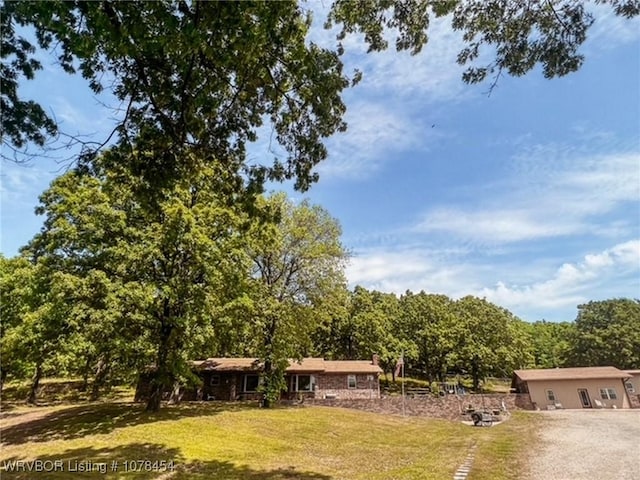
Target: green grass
(54,391)
(239,441)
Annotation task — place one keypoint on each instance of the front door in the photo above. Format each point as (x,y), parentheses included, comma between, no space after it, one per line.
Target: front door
(584,398)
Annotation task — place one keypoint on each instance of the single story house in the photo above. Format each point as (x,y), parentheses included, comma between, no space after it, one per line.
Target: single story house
(582,387)
(240,378)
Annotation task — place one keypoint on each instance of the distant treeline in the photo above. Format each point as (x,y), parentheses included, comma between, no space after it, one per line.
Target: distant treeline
(112,285)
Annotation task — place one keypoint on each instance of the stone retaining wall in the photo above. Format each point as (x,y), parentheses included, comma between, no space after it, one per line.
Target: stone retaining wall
(450,407)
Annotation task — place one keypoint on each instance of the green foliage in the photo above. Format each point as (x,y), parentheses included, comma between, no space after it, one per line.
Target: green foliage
(147,279)
(491,341)
(518,34)
(365,324)
(206,76)
(39,333)
(550,342)
(429,322)
(297,277)
(23,121)
(607,333)
(200,77)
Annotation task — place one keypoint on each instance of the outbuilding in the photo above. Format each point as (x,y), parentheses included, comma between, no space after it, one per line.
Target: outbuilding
(580,387)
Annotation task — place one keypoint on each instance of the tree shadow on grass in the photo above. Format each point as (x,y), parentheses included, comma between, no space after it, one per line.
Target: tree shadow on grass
(98,418)
(116,463)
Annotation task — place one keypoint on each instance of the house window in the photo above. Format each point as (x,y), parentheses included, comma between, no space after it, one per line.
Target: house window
(351,381)
(302,383)
(551,396)
(608,393)
(215,380)
(251,383)
(629,387)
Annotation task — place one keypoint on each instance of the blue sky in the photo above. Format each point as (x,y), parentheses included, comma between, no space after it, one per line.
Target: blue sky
(529,197)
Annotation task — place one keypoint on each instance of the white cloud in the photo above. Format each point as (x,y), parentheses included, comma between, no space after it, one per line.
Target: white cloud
(432,74)
(494,226)
(610,30)
(573,283)
(613,272)
(20,183)
(553,193)
(400,268)
(376,133)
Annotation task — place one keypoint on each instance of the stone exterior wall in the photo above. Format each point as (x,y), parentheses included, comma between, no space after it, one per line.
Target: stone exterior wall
(634,400)
(450,407)
(336,386)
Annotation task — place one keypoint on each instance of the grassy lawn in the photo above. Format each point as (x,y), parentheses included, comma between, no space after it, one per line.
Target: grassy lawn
(241,442)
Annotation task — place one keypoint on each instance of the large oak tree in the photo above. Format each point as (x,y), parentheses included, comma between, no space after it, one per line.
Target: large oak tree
(151,278)
(207,75)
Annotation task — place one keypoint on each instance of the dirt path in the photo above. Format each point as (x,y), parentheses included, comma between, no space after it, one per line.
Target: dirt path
(587,445)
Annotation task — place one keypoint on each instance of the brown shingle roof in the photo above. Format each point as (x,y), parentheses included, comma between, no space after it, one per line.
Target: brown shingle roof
(305,365)
(351,366)
(228,364)
(579,373)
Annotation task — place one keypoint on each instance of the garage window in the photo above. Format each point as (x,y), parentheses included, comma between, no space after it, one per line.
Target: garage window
(551,396)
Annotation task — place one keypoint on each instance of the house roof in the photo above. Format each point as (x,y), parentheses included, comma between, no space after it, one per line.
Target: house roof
(228,364)
(632,372)
(578,373)
(350,366)
(306,365)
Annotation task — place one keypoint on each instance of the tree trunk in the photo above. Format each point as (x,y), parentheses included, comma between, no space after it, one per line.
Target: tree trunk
(160,379)
(268,371)
(175,396)
(35,385)
(102,371)
(475,373)
(269,337)
(85,374)
(3,377)
(153,404)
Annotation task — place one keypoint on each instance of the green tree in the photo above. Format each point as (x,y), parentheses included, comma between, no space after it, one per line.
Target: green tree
(195,76)
(429,321)
(39,334)
(373,316)
(297,275)
(490,340)
(518,34)
(607,333)
(206,75)
(550,343)
(17,281)
(151,277)
(367,326)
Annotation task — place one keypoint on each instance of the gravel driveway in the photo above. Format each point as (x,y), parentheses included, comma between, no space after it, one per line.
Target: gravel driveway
(587,445)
